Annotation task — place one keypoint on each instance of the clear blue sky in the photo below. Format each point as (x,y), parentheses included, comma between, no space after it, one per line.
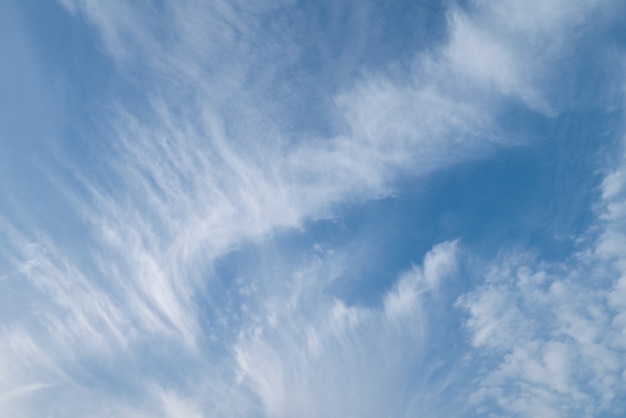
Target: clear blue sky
(313,208)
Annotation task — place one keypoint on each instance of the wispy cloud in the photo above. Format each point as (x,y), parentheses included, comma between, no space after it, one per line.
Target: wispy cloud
(199,161)
(319,356)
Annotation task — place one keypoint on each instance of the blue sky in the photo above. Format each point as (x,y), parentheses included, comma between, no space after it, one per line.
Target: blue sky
(312,208)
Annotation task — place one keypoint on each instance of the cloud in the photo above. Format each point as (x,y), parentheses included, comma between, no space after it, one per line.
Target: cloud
(549,336)
(197,163)
(441,261)
(322,357)
(486,49)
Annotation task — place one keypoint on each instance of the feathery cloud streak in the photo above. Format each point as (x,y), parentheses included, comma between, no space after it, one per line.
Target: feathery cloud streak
(206,159)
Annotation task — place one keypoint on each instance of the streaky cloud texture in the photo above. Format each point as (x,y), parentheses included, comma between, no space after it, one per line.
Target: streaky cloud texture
(190,246)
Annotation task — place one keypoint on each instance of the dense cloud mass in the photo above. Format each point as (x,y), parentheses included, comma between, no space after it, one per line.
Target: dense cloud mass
(313,208)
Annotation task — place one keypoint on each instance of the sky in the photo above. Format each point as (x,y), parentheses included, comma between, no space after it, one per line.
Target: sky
(312,208)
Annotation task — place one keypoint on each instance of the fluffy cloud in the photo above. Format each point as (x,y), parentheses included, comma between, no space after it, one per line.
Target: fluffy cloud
(551,336)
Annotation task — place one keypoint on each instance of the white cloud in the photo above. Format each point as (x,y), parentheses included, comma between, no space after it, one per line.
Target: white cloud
(201,169)
(550,336)
(324,358)
(441,261)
